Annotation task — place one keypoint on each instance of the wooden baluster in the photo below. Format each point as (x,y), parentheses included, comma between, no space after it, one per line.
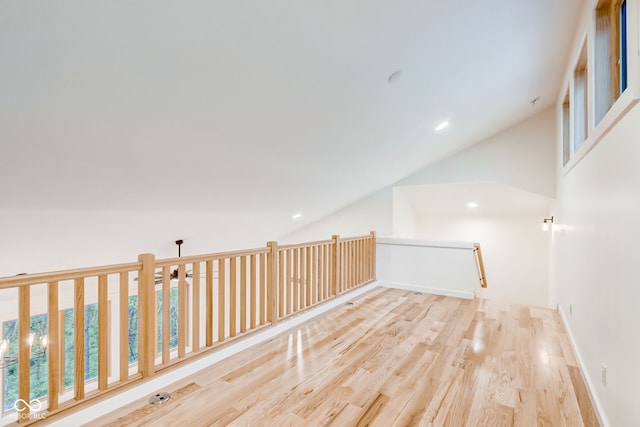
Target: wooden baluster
(61,350)
(263,288)
(232,297)
(330,250)
(359,261)
(166,315)
(221,300)
(103,332)
(78,338)
(53,348)
(303,281)
(24,349)
(315,275)
(355,263)
(352,264)
(289,306)
(335,259)
(373,255)
(243,294)
(320,287)
(366,259)
(296,281)
(209,304)
(195,307)
(183,307)
(281,294)
(252,292)
(123,339)
(326,263)
(146,315)
(347,263)
(272,297)
(308,284)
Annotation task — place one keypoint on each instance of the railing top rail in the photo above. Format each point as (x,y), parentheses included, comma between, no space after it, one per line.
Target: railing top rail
(168,262)
(396,241)
(55,276)
(349,239)
(304,245)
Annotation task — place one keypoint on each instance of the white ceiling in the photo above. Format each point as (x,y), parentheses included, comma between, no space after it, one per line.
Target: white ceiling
(272,106)
(491,198)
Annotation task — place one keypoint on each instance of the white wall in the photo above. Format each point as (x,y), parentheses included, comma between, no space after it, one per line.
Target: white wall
(515,251)
(373,213)
(522,156)
(438,267)
(595,266)
(45,240)
(404,217)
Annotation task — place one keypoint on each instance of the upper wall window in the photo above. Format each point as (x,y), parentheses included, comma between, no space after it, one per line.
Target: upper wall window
(610,54)
(566,130)
(580,83)
(623,46)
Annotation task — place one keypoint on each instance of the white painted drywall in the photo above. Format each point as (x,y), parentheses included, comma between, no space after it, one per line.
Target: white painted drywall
(373,213)
(404,216)
(45,240)
(595,266)
(522,156)
(515,251)
(443,268)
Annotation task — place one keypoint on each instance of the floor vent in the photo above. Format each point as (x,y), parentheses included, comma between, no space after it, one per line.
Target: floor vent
(348,303)
(159,398)
(417,293)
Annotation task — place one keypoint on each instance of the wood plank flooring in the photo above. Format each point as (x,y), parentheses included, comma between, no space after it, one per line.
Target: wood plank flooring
(394,358)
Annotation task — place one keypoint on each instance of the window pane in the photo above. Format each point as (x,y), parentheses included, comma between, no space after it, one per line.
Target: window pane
(133,329)
(623,46)
(39,379)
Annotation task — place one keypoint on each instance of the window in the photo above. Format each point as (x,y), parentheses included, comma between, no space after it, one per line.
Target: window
(623,46)
(580,100)
(39,373)
(173,318)
(610,50)
(566,130)
(39,365)
(39,362)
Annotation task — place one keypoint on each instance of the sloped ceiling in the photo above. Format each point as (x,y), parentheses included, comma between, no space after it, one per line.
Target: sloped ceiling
(488,198)
(272,106)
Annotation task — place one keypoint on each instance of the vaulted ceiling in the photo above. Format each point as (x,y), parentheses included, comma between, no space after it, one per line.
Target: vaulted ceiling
(273,106)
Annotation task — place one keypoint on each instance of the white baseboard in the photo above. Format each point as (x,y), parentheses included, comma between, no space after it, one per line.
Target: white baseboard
(597,405)
(156,384)
(429,290)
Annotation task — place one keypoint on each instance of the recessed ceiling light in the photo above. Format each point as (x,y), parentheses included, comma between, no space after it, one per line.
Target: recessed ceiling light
(472,205)
(296,215)
(441,126)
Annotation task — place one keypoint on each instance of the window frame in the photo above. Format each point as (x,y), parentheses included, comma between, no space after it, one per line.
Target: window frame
(628,97)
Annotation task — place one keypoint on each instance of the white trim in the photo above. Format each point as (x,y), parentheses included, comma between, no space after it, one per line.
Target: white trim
(425,243)
(597,405)
(152,386)
(429,290)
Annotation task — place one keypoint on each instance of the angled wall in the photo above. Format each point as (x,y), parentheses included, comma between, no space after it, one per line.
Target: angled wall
(522,156)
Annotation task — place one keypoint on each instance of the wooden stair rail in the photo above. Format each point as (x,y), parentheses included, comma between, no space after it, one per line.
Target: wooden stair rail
(478,252)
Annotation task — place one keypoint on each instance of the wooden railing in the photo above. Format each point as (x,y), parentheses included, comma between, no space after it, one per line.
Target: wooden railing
(483,277)
(220,297)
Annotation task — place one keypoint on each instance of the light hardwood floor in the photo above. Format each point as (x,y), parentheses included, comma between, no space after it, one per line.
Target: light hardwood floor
(393,358)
